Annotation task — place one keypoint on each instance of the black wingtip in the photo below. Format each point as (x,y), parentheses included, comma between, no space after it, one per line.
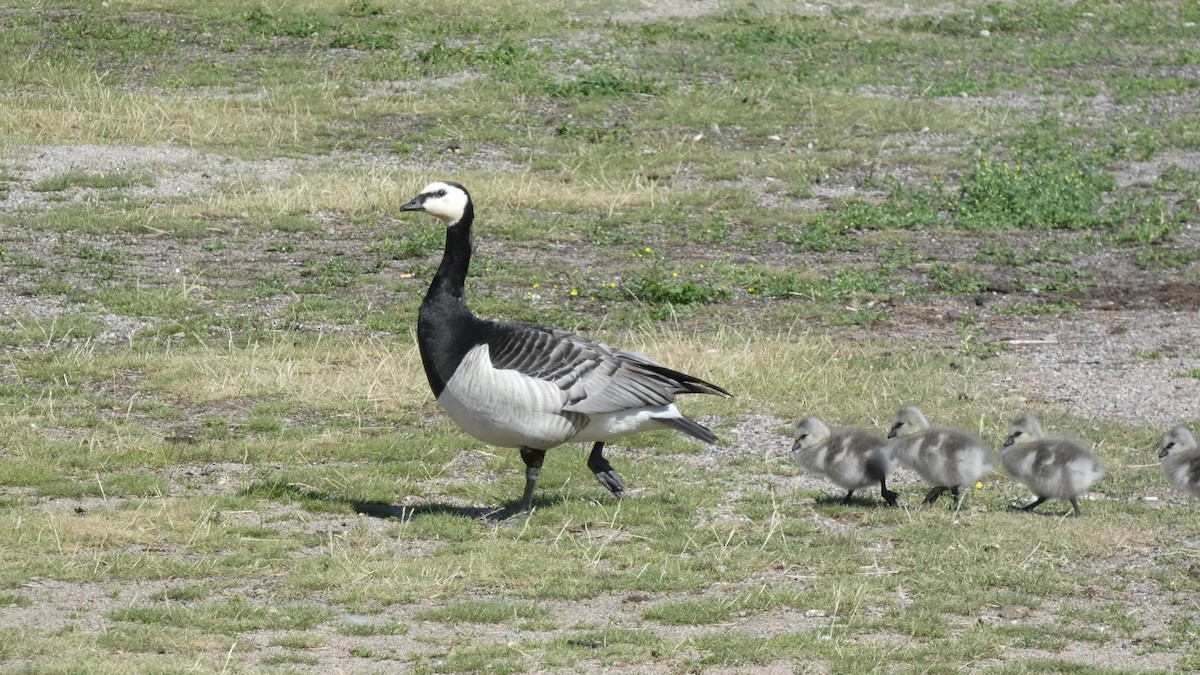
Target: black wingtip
(688,383)
(691,428)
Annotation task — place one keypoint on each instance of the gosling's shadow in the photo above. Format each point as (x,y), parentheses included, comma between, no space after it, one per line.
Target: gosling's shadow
(1016,508)
(856,500)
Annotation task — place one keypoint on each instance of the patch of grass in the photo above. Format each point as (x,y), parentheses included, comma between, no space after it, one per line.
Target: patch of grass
(701,611)
(95,181)
(14,600)
(148,302)
(329,274)
(1153,258)
(957,280)
(230,617)
(482,611)
(299,641)
(416,244)
(360,628)
(819,236)
(1048,184)
(32,332)
(906,208)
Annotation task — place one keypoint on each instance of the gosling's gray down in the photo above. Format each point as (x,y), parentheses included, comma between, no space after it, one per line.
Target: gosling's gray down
(851,458)
(1180,460)
(1052,468)
(947,459)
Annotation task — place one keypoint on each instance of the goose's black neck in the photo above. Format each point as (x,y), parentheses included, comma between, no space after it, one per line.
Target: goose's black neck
(445,326)
(451,275)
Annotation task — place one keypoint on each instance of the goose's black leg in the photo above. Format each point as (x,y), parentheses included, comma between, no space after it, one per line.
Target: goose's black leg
(957,497)
(604,471)
(1029,507)
(888,495)
(846,499)
(932,495)
(1075,503)
(533,466)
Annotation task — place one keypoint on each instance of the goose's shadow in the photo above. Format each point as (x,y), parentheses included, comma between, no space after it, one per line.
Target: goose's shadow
(494,514)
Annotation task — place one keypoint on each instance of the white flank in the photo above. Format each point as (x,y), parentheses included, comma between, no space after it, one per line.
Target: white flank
(509,409)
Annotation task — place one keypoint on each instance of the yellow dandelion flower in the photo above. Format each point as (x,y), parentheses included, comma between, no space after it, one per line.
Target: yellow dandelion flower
(649,250)
(574,292)
(979,485)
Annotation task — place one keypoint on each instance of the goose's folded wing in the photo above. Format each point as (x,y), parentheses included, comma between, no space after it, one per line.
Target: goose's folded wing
(594,378)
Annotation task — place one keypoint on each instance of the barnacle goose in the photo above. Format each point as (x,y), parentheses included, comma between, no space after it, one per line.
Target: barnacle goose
(947,459)
(1058,468)
(1180,461)
(520,385)
(851,458)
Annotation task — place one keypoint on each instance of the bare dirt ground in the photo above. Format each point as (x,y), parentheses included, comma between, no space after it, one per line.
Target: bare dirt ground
(1091,362)
(1094,362)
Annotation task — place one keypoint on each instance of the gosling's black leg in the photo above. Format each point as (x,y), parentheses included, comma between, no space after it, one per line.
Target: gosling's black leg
(932,495)
(1075,503)
(888,495)
(604,471)
(533,466)
(957,497)
(1029,507)
(846,499)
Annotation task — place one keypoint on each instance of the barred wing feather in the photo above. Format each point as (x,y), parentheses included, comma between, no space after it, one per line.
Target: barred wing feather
(595,378)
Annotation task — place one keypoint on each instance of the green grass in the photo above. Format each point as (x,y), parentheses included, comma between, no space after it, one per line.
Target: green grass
(97,181)
(216,438)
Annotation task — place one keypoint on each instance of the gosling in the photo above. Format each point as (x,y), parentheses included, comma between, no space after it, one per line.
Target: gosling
(1058,468)
(852,458)
(1180,461)
(947,459)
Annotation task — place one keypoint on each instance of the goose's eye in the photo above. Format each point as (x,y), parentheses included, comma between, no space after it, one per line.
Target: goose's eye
(440,193)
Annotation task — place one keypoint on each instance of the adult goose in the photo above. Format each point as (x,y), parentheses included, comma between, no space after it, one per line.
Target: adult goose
(520,385)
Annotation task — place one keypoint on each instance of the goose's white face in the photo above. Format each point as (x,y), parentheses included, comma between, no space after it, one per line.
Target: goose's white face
(444,201)
(1024,429)
(810,432)
(1175,441)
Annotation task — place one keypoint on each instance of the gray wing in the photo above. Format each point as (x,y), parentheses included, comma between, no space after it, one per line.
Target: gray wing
(596,378)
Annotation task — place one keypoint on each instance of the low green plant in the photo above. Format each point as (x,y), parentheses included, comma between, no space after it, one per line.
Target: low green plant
(957,279)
